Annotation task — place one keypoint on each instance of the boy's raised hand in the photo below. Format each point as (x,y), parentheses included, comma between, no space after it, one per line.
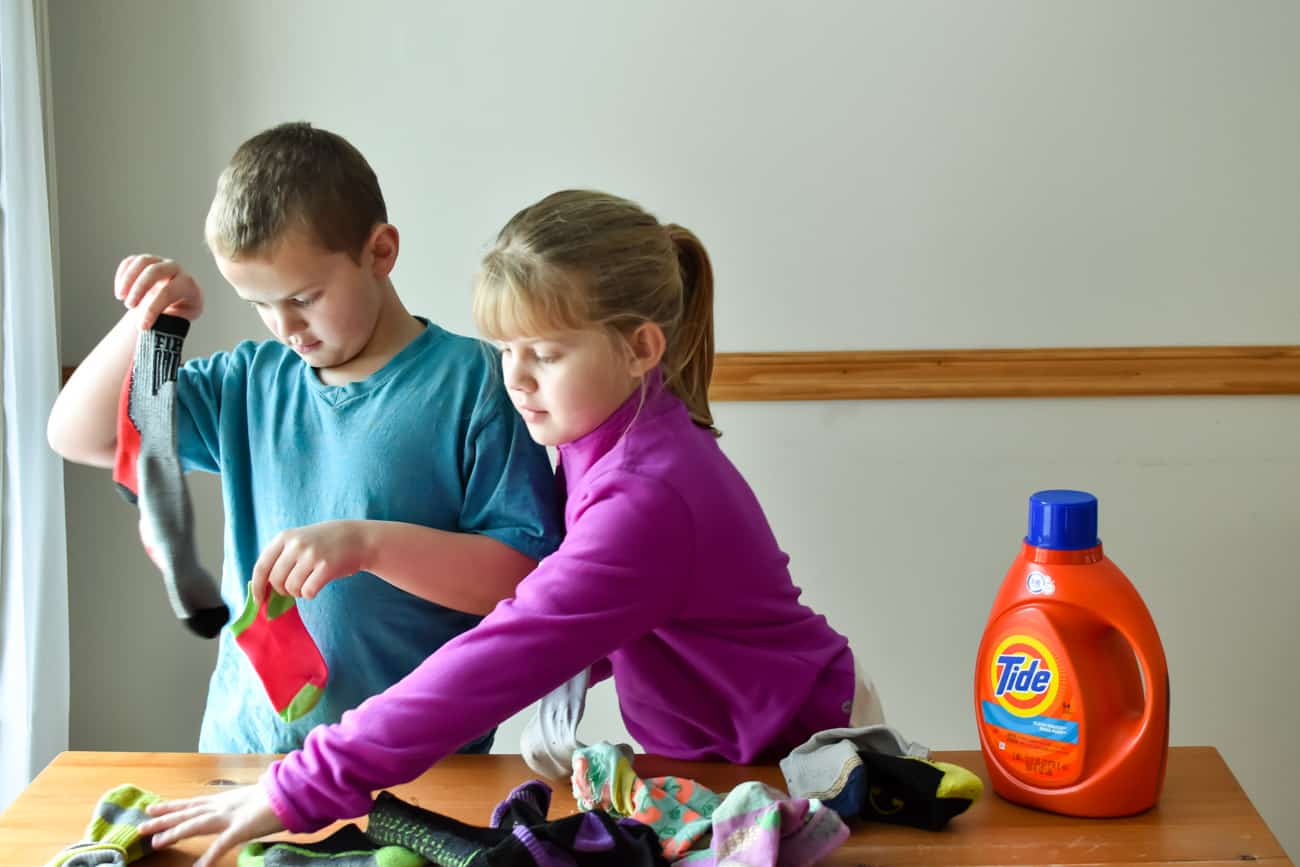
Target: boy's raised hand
(235,816)
(301,561)
(154,285)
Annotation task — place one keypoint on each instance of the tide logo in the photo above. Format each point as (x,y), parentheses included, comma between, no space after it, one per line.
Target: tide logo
(1024,676)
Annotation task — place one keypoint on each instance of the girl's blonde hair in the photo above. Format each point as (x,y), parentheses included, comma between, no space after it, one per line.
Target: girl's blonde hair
(580,259)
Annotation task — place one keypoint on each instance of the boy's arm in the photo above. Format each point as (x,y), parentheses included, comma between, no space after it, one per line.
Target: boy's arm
(465,571)
(83,421)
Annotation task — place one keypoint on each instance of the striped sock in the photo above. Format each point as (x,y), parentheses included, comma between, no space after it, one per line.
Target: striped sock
(346,847)
(148,472)
(113,835)
(283,654)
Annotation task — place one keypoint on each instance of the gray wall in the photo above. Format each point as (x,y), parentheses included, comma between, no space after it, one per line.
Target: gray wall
(867,175)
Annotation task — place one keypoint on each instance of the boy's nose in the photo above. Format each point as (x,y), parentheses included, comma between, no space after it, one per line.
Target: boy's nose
(290,324)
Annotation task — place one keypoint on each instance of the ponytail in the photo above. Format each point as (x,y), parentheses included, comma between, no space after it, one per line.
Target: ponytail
(688,362)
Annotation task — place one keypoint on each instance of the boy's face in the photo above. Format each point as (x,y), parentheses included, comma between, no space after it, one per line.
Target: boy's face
(320,304)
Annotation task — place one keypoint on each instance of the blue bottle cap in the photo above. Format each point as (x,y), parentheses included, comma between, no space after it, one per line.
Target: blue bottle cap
(1063,520)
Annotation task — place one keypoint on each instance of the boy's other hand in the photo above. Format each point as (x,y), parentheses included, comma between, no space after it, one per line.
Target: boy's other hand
(235,816)
(300,562)
(154,285)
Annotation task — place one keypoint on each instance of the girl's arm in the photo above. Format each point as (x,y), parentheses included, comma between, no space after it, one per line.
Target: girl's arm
(622,571)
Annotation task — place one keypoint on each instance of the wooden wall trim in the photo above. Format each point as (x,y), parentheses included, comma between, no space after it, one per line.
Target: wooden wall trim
(971,373)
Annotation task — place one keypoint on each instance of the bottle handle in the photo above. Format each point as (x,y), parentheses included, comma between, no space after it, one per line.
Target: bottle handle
(1147,650)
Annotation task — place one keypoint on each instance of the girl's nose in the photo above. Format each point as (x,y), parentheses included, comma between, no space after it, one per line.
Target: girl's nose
(516,379)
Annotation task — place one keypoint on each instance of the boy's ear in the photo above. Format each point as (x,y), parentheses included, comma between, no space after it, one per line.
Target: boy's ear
(382,246)
(647,344)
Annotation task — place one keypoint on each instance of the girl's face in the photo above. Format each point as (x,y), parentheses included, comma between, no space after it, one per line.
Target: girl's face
(565,384)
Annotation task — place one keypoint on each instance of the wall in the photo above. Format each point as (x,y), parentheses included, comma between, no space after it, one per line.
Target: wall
(866,175)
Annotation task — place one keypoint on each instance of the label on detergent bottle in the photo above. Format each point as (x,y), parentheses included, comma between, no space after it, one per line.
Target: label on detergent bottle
(1031,710)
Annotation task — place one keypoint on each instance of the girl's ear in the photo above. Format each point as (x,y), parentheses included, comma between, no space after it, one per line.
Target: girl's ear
(646,344)
(382,246)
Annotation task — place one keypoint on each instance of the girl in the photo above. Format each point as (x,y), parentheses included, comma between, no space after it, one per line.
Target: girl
(669,578)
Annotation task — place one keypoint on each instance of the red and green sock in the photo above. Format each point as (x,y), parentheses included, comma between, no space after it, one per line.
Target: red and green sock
(286,659)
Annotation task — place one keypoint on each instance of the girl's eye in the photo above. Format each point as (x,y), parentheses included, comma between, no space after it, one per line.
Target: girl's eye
(303,302)
(547,359)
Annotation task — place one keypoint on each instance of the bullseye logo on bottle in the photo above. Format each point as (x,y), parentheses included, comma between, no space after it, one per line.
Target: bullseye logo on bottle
(1024,676)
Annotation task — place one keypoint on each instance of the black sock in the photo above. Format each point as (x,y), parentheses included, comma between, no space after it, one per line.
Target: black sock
(520,835)
(905,790)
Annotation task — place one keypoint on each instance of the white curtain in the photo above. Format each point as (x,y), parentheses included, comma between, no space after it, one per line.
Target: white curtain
(33,546)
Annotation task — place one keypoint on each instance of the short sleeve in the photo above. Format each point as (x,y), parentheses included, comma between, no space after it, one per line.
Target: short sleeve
(511,492)
(199,385)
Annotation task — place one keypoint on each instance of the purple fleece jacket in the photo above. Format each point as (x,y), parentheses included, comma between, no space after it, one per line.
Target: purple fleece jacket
(669,578)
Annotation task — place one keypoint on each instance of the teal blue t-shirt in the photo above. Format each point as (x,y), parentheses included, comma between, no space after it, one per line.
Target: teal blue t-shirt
(430,439)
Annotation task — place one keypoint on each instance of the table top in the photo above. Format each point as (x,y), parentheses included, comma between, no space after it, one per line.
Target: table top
(1203,817)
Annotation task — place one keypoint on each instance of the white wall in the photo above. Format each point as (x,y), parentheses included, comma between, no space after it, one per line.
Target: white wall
(867,175)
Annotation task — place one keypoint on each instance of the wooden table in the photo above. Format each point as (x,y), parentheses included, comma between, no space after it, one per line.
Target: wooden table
(1203,818)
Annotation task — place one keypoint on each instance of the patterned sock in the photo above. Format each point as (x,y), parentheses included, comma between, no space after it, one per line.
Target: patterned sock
(346,847)
(520,835)
(283,654)
(906,790)
(758,825)
(754,824)
(147,471)
(679,810)
(113,835)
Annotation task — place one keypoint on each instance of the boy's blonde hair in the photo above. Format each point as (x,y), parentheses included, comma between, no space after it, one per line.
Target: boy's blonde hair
(294,177)
(580,259)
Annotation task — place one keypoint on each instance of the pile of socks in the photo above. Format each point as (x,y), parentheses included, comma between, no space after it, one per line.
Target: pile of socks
(753,824)
(837,776)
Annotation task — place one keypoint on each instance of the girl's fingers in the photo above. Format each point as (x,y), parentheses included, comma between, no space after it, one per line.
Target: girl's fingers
(162,808)
(204,822)
(220,846)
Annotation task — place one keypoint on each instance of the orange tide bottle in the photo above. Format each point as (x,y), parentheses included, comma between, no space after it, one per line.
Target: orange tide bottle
(1071,685)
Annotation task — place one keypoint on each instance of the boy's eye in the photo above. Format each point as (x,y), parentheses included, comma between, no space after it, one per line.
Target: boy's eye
(303,302)
(547,359)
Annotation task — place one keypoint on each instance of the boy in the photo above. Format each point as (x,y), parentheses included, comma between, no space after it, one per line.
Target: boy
(361,442)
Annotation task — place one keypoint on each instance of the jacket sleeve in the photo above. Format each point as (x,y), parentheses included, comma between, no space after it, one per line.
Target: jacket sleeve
(621,572)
